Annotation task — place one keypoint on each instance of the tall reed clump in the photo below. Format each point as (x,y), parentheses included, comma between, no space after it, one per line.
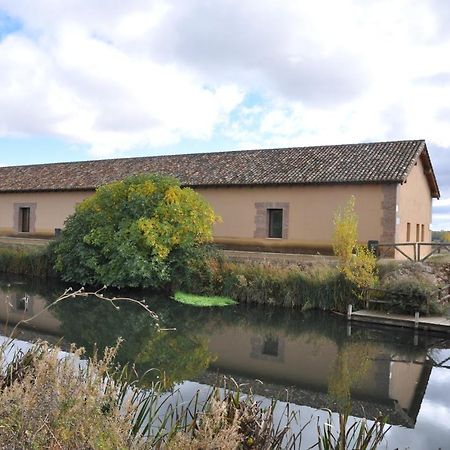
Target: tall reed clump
(319,287)
(51,402)
(358,436)
(33,262)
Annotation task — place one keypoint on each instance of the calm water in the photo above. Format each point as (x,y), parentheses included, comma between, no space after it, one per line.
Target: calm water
(313,360)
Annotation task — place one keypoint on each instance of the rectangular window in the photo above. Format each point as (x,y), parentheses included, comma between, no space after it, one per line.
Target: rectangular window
(408,232)
(24,220)
(417,232)
(270,347)
(422,233)
(275,223)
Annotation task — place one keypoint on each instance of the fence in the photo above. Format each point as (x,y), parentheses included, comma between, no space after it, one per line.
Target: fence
(420,251)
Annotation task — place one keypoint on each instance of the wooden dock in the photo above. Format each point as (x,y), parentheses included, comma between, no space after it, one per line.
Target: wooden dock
(427,323)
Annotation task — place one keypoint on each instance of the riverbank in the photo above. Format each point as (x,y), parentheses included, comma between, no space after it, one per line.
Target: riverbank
(311,283)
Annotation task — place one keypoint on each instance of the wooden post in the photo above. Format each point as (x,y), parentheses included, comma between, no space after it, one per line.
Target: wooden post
(349,312)
(416,320)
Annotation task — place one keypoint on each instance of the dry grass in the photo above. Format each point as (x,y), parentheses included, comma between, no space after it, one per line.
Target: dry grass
(49,402)
(213,430)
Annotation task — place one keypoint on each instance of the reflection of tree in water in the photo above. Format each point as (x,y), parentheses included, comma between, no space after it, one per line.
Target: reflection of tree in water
(176,355)
(353,362)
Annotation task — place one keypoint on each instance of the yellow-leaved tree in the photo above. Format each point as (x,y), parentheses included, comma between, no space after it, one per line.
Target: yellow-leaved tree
(139,232)
(356,261)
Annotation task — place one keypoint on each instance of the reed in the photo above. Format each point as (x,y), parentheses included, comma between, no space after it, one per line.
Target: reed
(33,262)
(318,287)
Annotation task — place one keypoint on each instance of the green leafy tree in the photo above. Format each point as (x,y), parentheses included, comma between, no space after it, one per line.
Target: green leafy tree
(139,232)
(356,262)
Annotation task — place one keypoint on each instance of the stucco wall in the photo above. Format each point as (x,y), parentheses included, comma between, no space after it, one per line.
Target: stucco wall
(311,211)
(414,207)
(414,204)
(51,210)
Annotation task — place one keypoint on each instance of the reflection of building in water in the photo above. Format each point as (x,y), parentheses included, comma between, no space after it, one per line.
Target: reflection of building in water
(16,304)
(392,384)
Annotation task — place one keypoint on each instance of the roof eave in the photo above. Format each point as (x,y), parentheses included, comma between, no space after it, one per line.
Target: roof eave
(429,173)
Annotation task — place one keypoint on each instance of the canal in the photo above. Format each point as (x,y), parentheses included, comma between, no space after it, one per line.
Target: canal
(314,360)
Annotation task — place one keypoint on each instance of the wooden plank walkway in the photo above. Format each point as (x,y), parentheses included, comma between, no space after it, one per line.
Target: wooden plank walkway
(428,323)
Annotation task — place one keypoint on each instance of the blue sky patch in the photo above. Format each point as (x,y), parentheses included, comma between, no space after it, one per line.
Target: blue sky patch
(8,25)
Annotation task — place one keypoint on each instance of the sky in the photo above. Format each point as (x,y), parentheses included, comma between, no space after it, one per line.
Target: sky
(112,78)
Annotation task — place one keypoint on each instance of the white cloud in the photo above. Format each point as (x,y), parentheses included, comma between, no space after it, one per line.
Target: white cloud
(145,74)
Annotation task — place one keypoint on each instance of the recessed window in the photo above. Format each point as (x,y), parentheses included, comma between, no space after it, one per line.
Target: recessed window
(24,220)
(408,232)
(275,223)
(422,232)
(417,232)
(270,347)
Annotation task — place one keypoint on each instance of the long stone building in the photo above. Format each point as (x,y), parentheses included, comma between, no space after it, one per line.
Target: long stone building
(274,199)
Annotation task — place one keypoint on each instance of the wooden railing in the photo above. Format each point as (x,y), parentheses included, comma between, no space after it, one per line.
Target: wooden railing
(417,249)
(436,248)
(398,246)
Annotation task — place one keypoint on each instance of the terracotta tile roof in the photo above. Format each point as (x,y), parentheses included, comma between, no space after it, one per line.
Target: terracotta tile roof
(382,162)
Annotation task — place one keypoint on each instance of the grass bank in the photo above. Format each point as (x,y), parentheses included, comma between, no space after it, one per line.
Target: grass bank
(215,281)
(220,282)
(28,261)
(319,286)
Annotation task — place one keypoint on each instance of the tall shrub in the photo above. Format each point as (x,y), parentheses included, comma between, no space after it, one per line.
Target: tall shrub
(139,232)
(356,262)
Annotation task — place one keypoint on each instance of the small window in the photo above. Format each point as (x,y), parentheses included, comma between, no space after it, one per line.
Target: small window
(422,233)
(270,347)
(408,232)
(275,223)
(24,220)
(417,232)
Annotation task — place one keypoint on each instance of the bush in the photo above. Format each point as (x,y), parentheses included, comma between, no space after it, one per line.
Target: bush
(409,295)
(139,232)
